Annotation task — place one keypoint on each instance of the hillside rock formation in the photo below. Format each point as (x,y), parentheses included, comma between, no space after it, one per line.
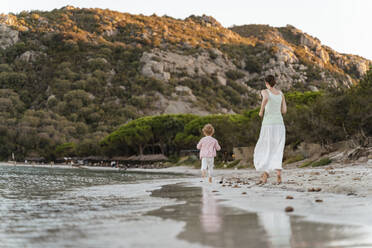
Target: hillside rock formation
(74,75)
(8,36)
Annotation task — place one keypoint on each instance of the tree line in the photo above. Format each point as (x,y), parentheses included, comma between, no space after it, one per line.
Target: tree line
(315,117)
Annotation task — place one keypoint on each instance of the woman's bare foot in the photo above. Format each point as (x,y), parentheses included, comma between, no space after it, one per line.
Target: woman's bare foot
(263,179)
(279,177)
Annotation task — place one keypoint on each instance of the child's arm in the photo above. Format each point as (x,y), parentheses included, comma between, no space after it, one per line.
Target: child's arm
(199,145)
(217,146)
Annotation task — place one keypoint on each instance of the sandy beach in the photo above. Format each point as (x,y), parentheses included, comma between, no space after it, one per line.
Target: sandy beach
(337,194)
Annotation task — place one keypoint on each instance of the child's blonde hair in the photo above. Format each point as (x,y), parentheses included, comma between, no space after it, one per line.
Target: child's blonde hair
(208,130)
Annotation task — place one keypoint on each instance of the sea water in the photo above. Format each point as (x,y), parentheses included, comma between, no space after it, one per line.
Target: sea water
(54,207)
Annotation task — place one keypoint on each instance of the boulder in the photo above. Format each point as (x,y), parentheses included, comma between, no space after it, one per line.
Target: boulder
(322,54)
(221,80)
(161,64)
(311,150)
(8,36)
(309,41)
(30,56)
(185,89)
(182,105)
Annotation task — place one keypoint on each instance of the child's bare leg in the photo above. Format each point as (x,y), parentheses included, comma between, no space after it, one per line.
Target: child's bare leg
(210,172)
(279,176)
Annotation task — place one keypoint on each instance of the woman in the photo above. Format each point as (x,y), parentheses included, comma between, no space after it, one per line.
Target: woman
(268,153)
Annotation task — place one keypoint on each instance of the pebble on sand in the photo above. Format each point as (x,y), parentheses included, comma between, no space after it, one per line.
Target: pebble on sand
(244,193)
(314,190)
(289,197)
(318,200)
(289,209)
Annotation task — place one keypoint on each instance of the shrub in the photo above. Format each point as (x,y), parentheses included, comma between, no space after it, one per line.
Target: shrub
(316,163)
(294,159)
(321,162)
(234,75)
(306,164)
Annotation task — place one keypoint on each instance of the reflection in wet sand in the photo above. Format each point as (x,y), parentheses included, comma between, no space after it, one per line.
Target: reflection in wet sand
(210,217)
(278,228)
(208,223)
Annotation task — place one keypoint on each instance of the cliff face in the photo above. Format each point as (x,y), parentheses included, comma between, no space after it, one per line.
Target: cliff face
(296,58)
(293,48)
(8,36)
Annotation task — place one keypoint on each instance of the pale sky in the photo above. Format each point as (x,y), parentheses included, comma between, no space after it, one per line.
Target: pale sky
(344,25)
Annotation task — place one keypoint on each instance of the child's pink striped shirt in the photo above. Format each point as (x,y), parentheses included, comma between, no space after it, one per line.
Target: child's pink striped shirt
(208,147)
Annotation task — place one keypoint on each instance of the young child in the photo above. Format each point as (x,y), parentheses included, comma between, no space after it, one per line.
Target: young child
(208,147)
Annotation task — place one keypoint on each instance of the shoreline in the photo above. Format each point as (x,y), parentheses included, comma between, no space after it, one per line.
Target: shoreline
(345,193)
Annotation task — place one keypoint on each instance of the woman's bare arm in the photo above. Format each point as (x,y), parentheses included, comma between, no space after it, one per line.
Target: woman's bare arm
(265,99)
(284,105)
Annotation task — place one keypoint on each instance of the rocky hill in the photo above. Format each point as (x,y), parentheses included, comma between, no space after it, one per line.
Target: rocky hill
(73,75)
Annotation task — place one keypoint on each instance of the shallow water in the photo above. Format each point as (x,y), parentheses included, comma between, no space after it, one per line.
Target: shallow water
(51,207)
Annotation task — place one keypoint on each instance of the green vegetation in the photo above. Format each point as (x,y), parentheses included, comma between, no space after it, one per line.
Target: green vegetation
(155,133)
(332,116)
(321,162)
(81,92)
(253,56)
(253,30)
(234,74)
(233,164)
(319,117)
(169,134)
(294,159)
(316,163)
(306,164)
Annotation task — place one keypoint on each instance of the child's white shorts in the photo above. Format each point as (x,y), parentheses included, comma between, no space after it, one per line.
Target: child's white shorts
(207,164)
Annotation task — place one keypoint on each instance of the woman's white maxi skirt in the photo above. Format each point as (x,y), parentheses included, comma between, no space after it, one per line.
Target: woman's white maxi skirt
(268,153)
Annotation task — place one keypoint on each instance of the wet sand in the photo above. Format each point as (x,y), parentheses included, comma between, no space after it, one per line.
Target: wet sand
(211,224)
(340,208)
(345,195)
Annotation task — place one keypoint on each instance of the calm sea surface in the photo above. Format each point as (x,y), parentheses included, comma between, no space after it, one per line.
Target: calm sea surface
(52,207)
